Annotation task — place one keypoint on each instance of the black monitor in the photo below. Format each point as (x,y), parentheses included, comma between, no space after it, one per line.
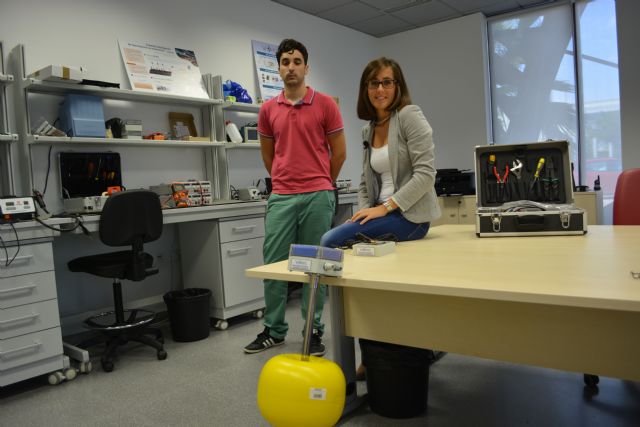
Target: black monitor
(88,174)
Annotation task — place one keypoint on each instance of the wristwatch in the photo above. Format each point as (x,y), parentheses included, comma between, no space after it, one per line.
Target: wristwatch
(387,205)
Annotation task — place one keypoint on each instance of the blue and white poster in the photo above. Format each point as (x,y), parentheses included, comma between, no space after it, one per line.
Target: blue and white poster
(154,68)
(269,81)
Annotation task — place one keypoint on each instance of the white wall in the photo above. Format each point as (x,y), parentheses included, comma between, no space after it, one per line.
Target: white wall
(628,15)
(443,63)
(446,71)
(85,32)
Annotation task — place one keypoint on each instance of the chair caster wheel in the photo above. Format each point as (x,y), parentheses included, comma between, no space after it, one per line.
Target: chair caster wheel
(70,374)
(56,378)
(85,367)
(221,325)
(107,366)
(162,354)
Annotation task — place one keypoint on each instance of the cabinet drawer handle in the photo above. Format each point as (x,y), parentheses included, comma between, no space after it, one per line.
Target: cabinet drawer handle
(239,251)
(244,229)
(23,289)
(7,354)
(5,323)
(22,258)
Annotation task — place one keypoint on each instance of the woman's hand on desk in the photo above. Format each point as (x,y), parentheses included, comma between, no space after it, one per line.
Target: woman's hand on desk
(364,215)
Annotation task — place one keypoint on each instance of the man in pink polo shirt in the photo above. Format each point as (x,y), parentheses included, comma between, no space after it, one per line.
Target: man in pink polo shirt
(303,149)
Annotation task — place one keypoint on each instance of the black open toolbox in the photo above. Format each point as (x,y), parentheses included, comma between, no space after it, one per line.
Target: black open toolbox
(526,190)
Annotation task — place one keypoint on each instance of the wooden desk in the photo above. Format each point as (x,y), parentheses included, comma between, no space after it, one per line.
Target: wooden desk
(567,303)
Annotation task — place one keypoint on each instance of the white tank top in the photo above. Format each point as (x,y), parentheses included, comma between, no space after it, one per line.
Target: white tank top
(381,165)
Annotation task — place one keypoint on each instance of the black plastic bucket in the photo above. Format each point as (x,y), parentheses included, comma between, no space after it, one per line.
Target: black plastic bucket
(397,378)
(188,313)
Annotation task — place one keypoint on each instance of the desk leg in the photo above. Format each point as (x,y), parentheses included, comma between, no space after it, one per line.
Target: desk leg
(343,349)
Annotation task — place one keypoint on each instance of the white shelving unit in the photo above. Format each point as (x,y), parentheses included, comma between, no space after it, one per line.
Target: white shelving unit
(214,88)
(214,168)
(240,106)
(6,137)
(53,140)
(242,145)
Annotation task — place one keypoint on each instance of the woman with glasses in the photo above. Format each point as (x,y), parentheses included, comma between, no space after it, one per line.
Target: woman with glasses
(396,197)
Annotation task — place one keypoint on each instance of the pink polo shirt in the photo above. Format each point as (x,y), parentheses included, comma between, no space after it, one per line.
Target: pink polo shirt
(302,152)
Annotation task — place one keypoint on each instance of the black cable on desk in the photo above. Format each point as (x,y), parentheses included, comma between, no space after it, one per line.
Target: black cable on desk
(78,223)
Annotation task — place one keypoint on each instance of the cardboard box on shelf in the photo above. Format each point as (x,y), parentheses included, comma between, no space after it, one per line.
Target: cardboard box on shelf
(59,73)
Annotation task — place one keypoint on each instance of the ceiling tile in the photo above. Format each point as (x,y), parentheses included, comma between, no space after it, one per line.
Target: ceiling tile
(312,6)
(426,13)
(501,7)
(350,13)
(382,25)
(385,17)
(391,4)
(469,6)
(529,3)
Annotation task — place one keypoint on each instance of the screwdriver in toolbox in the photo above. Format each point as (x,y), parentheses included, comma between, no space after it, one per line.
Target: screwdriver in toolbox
(536,176)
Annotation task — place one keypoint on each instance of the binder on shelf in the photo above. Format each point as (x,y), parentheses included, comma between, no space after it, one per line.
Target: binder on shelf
(82,115)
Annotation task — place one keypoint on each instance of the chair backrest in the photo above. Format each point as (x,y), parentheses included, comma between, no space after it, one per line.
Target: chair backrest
(626,200)
(131,217)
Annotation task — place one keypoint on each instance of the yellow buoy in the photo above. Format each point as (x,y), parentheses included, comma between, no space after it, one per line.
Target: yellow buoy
(293,392)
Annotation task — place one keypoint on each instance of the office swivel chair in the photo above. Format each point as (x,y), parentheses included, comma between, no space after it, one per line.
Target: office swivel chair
(129,218)
(626,211)
(626,200)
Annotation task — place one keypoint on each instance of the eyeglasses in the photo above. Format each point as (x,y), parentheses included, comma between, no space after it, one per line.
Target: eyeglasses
(386,84)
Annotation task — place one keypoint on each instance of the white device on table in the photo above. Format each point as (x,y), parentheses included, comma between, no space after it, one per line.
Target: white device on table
(15,208)
(316,260)
(249,193)
(90,204)
(377,248)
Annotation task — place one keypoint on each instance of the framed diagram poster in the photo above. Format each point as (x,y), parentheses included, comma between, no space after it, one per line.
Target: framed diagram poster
(269,81)
(162,69)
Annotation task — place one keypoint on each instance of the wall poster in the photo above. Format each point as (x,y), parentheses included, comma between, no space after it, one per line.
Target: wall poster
(269,81)
(162,69)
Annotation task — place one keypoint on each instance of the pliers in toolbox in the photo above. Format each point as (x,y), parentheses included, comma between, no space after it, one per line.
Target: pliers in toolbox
(501,181)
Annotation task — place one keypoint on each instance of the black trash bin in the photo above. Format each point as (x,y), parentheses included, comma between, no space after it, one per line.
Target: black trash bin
(397,378)
(188,313)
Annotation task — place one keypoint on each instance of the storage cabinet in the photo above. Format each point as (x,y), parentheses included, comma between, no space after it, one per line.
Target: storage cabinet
(30,335)
(215,255)
(456,210)
(590,201)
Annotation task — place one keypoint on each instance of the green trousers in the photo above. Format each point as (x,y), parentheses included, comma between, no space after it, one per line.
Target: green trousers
(293,218)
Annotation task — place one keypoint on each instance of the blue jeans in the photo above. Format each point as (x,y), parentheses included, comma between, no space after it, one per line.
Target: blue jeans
(393,223)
